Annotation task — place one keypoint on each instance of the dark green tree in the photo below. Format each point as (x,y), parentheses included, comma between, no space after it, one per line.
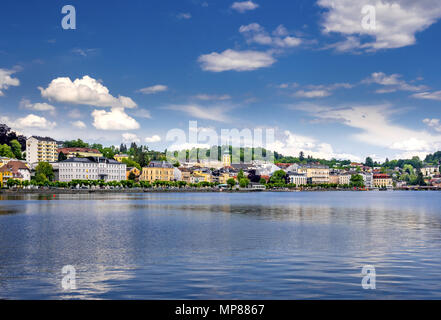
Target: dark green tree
(45,169)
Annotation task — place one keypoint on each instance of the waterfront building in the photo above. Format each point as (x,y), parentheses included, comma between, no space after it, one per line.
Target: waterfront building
(202,174)
(91,168)
(333,178)
(19,170)
(5,175)
(41,149)
(183,174)
(158,171)
(79,152)
(344,178)
(430,171)
(382,180)
(299,179)
(368,179)
(316,174)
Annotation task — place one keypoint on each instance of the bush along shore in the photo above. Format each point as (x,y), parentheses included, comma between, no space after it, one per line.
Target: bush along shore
(129,186)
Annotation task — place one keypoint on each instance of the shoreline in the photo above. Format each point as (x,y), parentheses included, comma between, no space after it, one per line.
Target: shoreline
(136,190)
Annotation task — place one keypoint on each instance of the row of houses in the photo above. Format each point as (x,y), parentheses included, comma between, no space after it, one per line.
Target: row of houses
(89,164)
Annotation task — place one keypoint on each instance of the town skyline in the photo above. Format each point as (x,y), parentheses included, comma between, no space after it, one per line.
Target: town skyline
(329,89)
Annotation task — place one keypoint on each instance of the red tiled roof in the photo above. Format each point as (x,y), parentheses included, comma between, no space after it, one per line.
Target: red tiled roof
(381,176)
(14,166)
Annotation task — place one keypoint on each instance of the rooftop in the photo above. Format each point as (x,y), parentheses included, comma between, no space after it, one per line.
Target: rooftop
(92,160)
(43,139)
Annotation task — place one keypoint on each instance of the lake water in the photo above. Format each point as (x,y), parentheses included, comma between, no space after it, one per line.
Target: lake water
(296,245)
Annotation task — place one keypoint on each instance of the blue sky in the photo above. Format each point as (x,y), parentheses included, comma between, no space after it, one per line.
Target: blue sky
(132,71)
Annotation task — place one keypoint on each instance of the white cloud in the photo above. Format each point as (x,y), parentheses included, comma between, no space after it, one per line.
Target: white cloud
(79,124)
(244,6)
(392,83)
(7,81)
(207,97)
(433,123)
(153,139)
(216,113)
(232,60)
(84,52)
(397,22)
(116,119)
(85,91)
(293,144)
(376,128)
(184,15)
(25,103)
(30,121)
(154,89)
(255,33)
(436,95)
(130,137)
(312,94)
(321,91)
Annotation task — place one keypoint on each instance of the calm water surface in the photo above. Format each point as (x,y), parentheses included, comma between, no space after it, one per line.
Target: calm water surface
(222,246)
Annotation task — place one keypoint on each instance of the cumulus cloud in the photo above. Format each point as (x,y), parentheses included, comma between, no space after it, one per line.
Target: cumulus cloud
(232,60)
(115,119)
(79,124)
(397,22)
(153,139)
(7,81)
(376,128)
(85,91)
(31,121)
(244,6)
(25,103)
(255,33)
(292,144)
(154,89)
(130,137)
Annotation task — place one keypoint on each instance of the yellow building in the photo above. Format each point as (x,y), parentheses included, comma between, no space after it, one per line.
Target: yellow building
(316,174)
(41,149)
(158,171)
(223,178)
(226,160)
(4,177)
(202,175)
(120,157)
(382,180)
